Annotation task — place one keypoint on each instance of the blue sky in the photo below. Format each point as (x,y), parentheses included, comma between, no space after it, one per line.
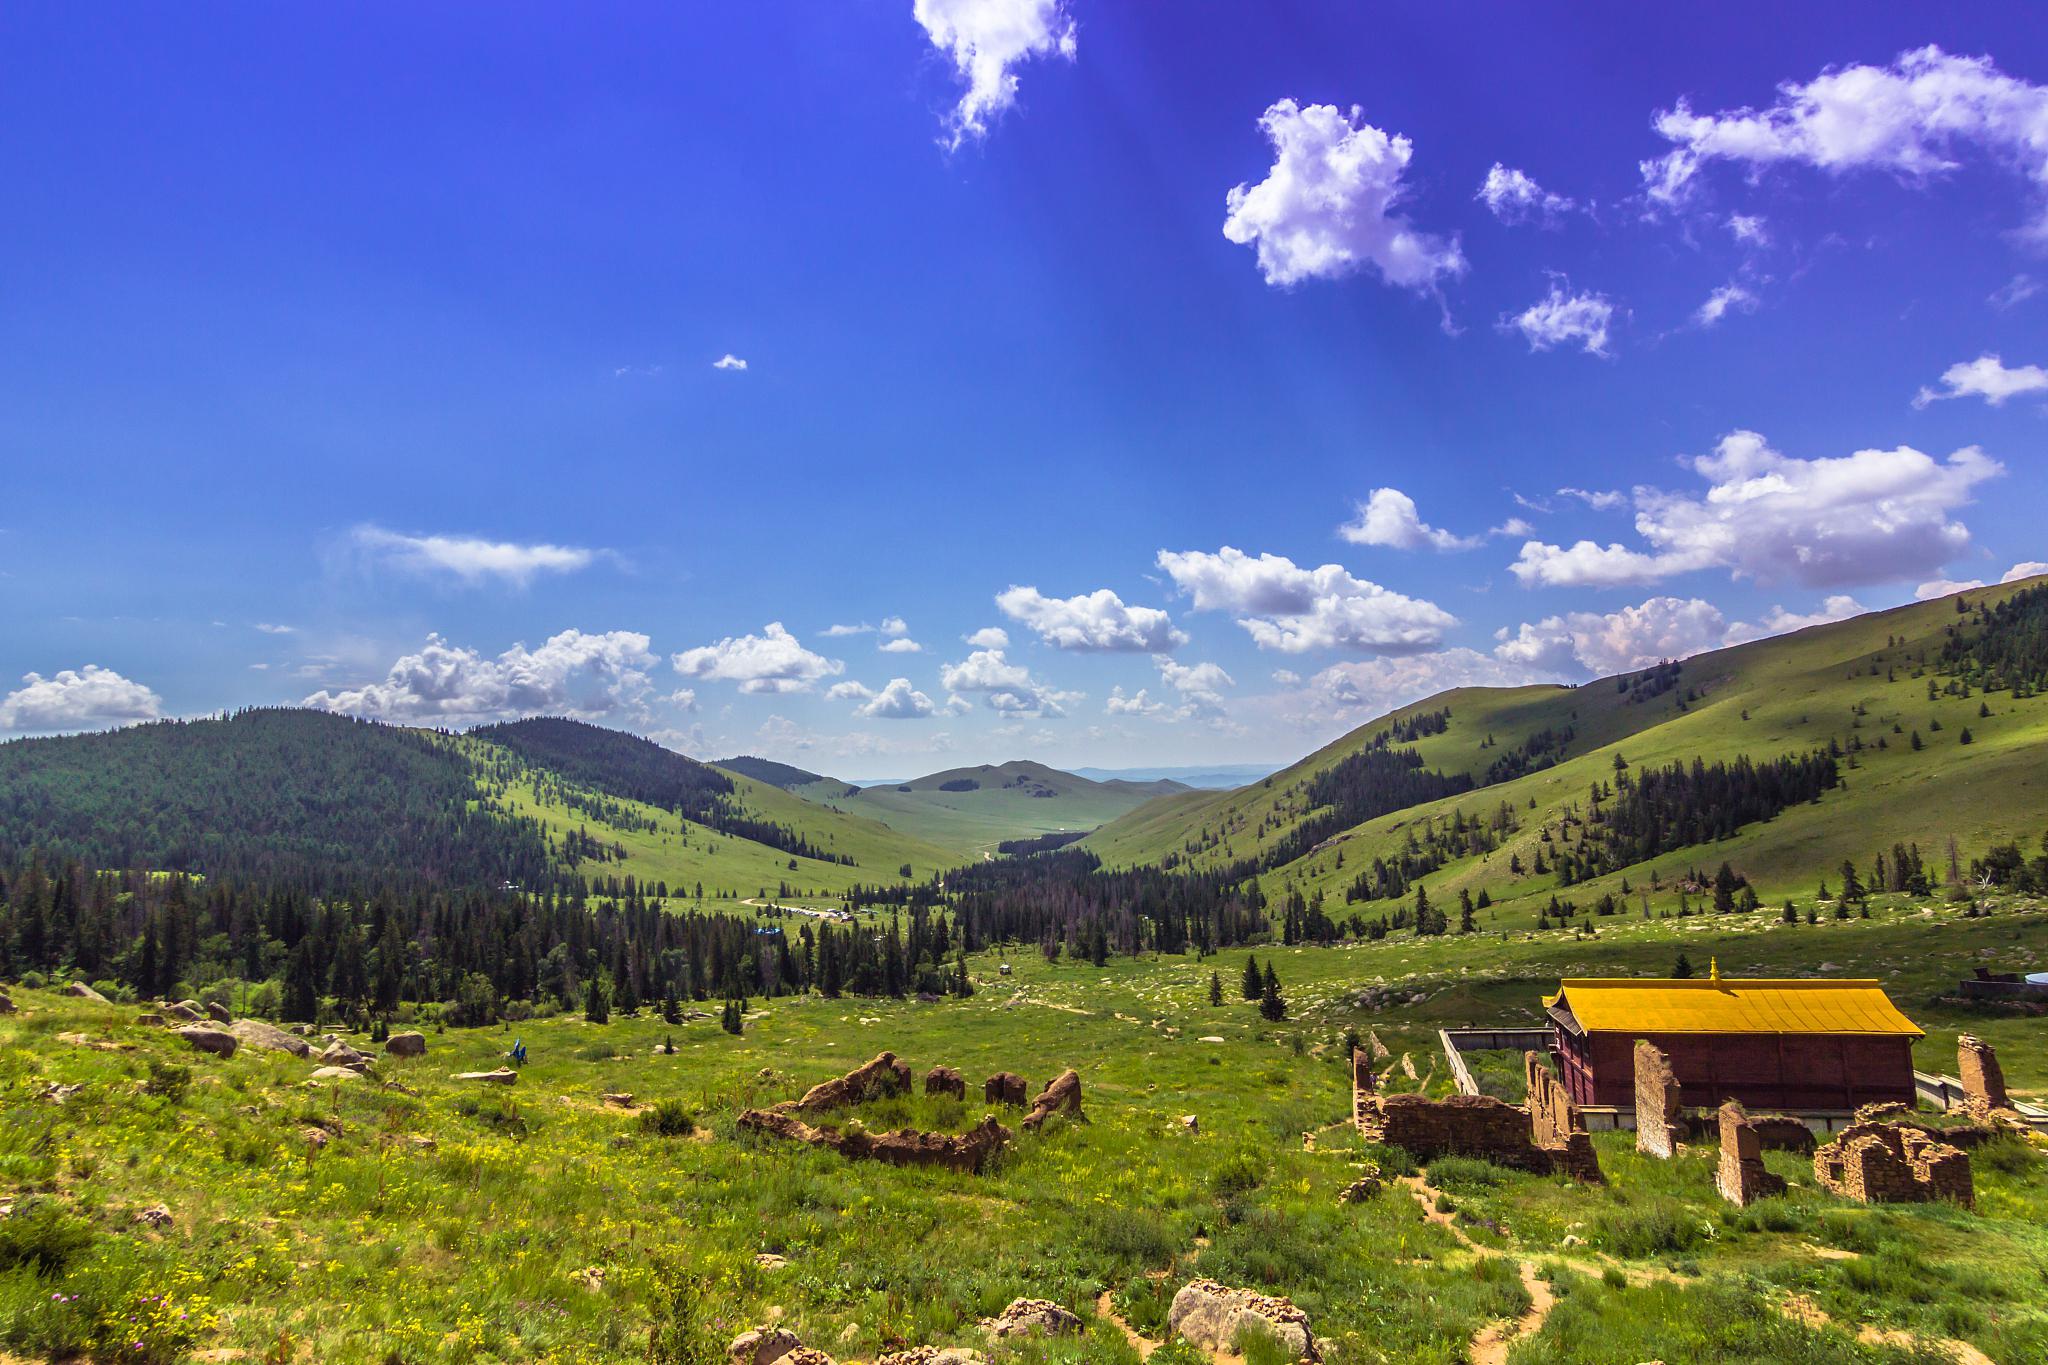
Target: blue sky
(369,357)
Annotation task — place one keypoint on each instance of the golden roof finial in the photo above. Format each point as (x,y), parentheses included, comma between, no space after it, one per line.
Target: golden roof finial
(1713,969)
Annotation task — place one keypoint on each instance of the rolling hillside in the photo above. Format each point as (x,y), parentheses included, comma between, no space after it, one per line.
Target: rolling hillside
(1873,689)
(970,810)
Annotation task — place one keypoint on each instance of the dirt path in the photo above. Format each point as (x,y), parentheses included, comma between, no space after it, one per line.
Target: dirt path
(1143,1345)
(1801,1309)
(1490,1344)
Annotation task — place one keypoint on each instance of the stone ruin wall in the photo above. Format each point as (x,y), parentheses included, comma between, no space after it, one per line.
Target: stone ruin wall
(1659,1118)
(1890,1163)
(1741,1176)
(1983,1078)
(1554,1123)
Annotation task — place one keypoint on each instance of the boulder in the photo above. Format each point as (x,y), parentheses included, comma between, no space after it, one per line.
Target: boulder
(7,1005)
(409,1044)
(944,1080)
(1032,1318)
(146,1019)
(1211,1315)
(1005,1087)
(269,1037)
(183,1014)
(219,1013)
(762,1346)
(155,1216)
(502,1076)
(335,1073)
(338,1053)
(219,1042)
(79,990)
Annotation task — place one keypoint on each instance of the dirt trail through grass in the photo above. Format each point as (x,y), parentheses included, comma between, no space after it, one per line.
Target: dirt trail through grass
(1491,1343)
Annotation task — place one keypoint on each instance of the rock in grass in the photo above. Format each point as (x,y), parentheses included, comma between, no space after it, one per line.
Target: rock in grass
(79,990)
(219,1042)
(1211,1315)
(269,1037)
(183,1013)
(147,1019)
(338,1053)
(409,1044)
(219,1013)
(934,1355)
(502,1076)
(762,1346)
(334,1073)
(1032,1318)
(7,1005)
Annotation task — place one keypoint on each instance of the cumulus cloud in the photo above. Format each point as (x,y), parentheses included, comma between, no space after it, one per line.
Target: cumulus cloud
(728,361)
(990,637)
(1942,587)
(1915,119)
(1389,518)
(902,644)
(896,701)
(1728,297)
(1288,608)
(1199,686)
(1749,228)
(1601,500)
(1515,198)
(1356,690)
(1559,319)
(1778,621)
(1613,642)
(1139,703)
(1870,517)
(985,40)
(1096,621)
(77,699)
(2031,568)
(470,559)
(1987,378)
(773,661)
(1327,206)
(573,674)
(1004,687)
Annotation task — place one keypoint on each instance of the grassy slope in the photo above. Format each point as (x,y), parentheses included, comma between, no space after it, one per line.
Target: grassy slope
(973,822)
(683,853)
(449,1223)
(1797,691)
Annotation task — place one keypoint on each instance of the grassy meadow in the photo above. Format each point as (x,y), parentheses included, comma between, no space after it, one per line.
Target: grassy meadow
(437,1220)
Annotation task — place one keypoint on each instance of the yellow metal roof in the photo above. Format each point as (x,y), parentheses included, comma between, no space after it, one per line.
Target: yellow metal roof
(1727,1005)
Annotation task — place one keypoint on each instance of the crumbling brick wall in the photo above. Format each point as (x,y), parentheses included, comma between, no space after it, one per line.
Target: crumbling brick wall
(1983,1078)
(1554,1123)
(1463,1125)
(1005,1087)
(1887,1163)
(1061,1096)
(1741,1176)
(881,1075)
(1364,1083)
(944,1080)
(1658,1119)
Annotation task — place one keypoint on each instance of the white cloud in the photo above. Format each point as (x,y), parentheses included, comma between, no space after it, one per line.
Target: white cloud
(1559,318)
(1358,690)
(271,628)
(1602,500)
(1003,686)
(2015,291)
(1326,208)
(894,627)
(1778,621)
(1515,198)
(1613,642)
(1286,677)
(1095,621)
(1200,686)
(1871,517)
(896,701)
(77,699)
(1389,518)
(835,632)
(683,699)
(1942,587)
(1138,704)
(2031,568)
(1749,227)
(728,361)
(773,661)
(572,674)
(1515,528)
(985,39)
(901,645)
(470,559)
(1285,607)
(1914,118)
(1721,301)
(990,637)
(1987,378)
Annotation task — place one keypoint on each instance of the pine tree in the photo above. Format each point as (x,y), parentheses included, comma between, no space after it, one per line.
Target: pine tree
(597,1005)
(1272,1006)
(1215,988)
(1682,969)
(1253,987)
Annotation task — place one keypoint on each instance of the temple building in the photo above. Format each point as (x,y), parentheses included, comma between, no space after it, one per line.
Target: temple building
(1779,1045)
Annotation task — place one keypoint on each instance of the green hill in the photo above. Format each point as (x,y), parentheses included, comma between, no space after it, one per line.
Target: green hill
(970,810)
(784,775)
(1893,694)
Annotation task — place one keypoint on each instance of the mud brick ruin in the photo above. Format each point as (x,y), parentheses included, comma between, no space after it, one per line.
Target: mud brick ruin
(1546,1137)
(1363,1084)
(1554,1123)
(1742,1178)
(1889,1163)
(944,1080)
(1005,1087)
(883,1075)
(1659,1118)
(1983,1078)
(969,1151)
(1062,1096)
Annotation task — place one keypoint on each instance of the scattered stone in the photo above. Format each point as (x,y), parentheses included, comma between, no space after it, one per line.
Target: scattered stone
(1211,1315)
(969,1151)
(338,1053)
(502,1076)
(407,1044)
(219,1013)
(619,1099)
(1658,1118)
(1062,1096)
(334,1073)
(768,1260)
(183,1013)
(944,1080)
(934,1355)
(762,1346)
(269,1037)
(155,1216)
(1005,1087)
(57,1094)
(1031,1318)
(316,1139)
(219,1042)
(146,1020)
(1210,1038)
(1893,1164)
(1190,1123)
(80,991)
(881,1075)
(1741,1177)
(7,1005)
(1358,1191)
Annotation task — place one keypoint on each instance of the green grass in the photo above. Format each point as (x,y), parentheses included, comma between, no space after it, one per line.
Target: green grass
(470,1224)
